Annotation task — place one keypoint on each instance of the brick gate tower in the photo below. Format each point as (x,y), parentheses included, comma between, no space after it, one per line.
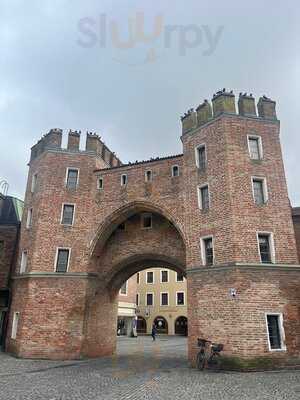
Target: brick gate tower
(219,213)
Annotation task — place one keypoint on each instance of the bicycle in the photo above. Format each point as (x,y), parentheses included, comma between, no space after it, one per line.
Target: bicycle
(209,354)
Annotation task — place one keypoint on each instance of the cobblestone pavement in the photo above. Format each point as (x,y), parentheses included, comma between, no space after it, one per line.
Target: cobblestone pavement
(141,370)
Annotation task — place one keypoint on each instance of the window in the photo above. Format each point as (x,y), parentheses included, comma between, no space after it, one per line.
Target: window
(33,183)
(137,299)
(146,221)
(1,249)
(100,183)
(124,180)
(148,176)
(255,147)
(179,277)
(175,171)
(72,178)
(67,214)
(275,332)
(260,193)
(164,299)
(203,197)
(164,276)
(138,278)
(201,157)
(207,251)
(150,277)
(121,227)
(23,264)
(123,289)
(62,260)
(180,298)
(15,324)
(266,247)
(149,299)
(29,218)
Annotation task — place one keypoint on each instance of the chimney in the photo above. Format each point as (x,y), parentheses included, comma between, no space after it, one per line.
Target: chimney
(266,108)
(189,121)
(53,138)
(223,102)
(246,105)
(204,113)
(93,143)
(73,140)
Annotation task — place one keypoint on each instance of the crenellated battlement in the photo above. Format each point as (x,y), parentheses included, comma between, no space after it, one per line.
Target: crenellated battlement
(53,141)
(224,102)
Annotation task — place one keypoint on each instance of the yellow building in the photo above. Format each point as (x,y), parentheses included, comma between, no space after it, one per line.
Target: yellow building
(161,299)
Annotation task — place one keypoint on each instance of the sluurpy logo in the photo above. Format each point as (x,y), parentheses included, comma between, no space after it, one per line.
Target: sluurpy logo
(135,47)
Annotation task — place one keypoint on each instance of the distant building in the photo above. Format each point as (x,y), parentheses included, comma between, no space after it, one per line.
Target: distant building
(10,218)
(127,308)
(161,299)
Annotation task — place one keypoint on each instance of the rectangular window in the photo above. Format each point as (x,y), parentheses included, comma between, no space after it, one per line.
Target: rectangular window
(100,183)
(138,278)
(179,277)
(148,176)
(23,264)
(203,197)
(121,227)
(123,289)
(175,171)
(164,299)
(15,323)
(72,178)
(150,277)
(29,218)
(180,298)
(201,157)
(33,183)
(259,190)
(266,247)
(1,249)
(67,214)
(164,276)
(275,332)
(255,147)
(124,180)
(137,299)
(62,260)
(149,299)
(207,251)
(147,221)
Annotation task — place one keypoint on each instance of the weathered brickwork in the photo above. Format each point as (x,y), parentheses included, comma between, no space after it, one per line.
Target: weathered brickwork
(296,221)
(73,314)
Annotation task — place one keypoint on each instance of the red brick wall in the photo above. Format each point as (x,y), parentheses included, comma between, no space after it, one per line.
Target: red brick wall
(239,323)
(110,256)
(233,217)
(296,221)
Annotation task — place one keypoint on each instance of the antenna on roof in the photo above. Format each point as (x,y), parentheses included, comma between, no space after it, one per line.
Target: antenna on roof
(4,186)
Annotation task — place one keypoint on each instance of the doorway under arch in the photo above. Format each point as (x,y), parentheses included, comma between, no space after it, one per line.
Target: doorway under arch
(141,325)
(181,326)
(161,325)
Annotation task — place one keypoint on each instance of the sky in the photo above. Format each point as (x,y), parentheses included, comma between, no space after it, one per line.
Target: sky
(129,69)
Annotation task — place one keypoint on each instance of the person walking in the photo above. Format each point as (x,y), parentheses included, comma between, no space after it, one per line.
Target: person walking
(153,332)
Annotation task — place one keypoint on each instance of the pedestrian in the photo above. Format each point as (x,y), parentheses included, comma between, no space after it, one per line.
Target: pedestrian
(153,332)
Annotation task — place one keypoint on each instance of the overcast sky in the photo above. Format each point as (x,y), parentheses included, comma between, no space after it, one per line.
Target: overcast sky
(72,64)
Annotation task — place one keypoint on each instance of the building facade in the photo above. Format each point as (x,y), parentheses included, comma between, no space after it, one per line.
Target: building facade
(10,220)
(127,318)
(161,300)
(213,213)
